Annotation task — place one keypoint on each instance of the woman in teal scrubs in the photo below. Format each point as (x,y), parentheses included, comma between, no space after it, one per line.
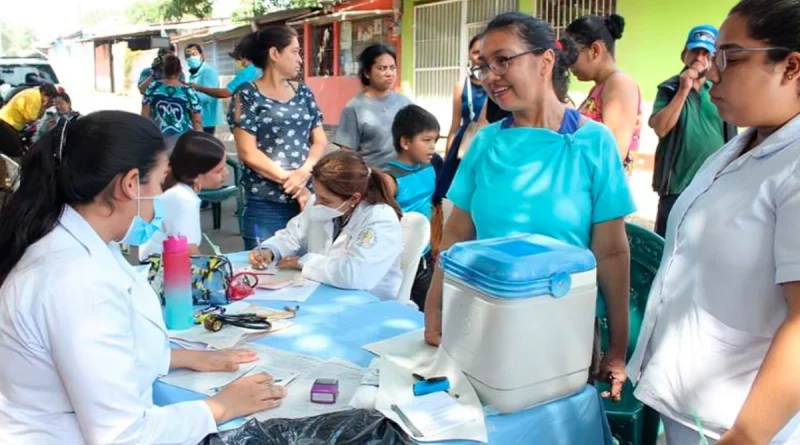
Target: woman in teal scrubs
(544,170)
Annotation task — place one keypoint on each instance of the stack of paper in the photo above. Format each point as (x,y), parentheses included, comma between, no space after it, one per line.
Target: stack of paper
(407,354)
(283,366)
(433,414)
(297,403)
(208,383)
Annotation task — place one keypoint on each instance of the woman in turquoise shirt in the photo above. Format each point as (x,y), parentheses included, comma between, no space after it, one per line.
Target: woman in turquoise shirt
(559,173)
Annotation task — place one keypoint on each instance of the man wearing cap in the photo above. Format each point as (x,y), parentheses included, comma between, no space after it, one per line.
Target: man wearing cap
(687,123)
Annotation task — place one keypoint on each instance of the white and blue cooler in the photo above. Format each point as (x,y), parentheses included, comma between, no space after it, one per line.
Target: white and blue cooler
(518,317)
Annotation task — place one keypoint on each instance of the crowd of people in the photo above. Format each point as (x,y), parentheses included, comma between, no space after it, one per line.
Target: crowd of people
(722,325)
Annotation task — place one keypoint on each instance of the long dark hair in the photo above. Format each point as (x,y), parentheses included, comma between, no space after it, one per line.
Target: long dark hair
(538,35)
(256,48)
(774,22)
(344,173)
(367,58)
(195,153)
(73,164)
(591,28)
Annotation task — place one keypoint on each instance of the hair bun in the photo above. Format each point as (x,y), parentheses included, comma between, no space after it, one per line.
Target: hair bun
(616,25)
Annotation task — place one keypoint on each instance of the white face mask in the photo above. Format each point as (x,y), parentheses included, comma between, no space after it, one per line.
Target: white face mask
(325,213)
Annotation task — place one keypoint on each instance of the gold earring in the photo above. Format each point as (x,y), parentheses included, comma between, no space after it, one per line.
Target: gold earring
(791,77)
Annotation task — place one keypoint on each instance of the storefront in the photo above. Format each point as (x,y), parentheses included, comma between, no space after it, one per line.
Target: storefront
(333,41)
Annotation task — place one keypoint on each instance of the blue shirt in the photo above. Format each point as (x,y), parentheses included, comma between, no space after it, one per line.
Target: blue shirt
(534,180)
(415,185)
(246,75)
(171,107)
(211,107)
(283,132)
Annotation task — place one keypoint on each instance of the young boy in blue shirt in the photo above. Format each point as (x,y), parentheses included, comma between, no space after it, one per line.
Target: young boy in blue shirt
(415,132)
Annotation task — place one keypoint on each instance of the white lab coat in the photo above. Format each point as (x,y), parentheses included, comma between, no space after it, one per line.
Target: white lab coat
(82,339)
(365,256)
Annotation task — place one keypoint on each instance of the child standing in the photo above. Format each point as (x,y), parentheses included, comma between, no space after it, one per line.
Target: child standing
(415,132)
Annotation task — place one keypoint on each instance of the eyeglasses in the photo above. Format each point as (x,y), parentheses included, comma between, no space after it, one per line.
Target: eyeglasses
(499,65)
(721,56)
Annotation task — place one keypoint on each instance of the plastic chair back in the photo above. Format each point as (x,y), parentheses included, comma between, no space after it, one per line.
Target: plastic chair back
(416,236)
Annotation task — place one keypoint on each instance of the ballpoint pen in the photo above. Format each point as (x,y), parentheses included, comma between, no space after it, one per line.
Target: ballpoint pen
(414,431)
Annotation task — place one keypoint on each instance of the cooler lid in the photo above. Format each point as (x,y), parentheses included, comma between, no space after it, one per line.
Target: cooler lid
(518,266)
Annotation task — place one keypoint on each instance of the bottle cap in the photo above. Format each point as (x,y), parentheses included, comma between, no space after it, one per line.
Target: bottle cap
(176,244)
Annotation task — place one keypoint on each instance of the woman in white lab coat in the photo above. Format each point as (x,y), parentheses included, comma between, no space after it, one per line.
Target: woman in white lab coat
(348,235)
(82,338)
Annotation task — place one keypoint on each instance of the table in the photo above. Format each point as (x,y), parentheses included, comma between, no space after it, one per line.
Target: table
(338,323)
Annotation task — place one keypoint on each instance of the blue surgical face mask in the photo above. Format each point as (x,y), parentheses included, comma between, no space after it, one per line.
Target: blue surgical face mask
(194,62)
(140,231)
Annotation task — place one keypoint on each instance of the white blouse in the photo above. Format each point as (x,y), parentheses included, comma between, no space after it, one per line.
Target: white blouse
(717,302)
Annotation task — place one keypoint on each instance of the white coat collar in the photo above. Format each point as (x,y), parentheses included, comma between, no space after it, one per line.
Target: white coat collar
(777,141)
(100,252)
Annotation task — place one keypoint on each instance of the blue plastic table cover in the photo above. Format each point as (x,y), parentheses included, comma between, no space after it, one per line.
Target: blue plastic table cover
(324,332)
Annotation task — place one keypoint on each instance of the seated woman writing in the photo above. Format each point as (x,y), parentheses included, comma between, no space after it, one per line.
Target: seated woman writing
(348,235)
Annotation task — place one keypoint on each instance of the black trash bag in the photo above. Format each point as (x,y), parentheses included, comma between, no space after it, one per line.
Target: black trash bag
(353,427)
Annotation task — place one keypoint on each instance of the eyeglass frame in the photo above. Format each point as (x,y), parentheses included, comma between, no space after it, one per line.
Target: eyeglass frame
(723,54)
(478,70)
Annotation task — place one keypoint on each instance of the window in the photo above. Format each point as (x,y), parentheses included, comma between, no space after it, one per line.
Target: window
(560,13)
(356,36)
(226,65)
(322,50)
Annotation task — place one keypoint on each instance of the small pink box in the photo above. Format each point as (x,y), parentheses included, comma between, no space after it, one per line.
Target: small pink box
(325,391)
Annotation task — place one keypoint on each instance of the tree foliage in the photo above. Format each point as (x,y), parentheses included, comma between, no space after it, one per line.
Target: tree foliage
(16,40)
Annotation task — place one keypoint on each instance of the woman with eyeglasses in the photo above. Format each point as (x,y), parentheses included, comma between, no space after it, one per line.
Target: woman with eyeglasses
(559,173)
(718,349)
(615,99)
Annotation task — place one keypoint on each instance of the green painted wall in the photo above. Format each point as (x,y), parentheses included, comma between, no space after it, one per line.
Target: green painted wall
(407,42)
(655,33)
(650,49)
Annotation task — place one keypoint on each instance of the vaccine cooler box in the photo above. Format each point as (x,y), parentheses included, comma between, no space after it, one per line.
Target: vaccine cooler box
(518,318)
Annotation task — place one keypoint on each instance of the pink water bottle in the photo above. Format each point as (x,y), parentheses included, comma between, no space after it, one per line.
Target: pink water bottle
(178,283)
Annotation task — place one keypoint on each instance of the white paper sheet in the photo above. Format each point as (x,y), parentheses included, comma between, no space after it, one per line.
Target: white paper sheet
(406,354)
(297,403)
(279,363)
(408,350)
(434,414)
(289,293)
(207,383)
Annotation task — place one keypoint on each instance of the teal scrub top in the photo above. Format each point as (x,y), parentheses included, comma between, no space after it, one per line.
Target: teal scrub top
(207,76)
(534,180)
(247,74)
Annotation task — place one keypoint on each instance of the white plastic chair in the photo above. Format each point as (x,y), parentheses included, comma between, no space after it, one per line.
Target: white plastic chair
(416,236)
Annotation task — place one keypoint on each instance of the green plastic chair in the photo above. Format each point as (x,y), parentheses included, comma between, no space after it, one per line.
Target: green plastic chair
(631,422)
(217,196)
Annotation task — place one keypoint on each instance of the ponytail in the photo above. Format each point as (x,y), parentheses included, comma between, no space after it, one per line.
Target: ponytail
(74,164)
(378,192)
(33,210)
(345,173)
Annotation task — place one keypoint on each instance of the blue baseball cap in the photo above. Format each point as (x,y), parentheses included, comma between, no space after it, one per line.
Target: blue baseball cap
(703,36)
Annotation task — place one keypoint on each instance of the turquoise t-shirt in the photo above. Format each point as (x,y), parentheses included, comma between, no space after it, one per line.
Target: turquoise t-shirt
(537,181)
(533,180)
(246,75)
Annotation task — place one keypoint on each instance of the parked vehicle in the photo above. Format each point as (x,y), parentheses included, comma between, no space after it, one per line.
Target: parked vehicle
(16,74)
